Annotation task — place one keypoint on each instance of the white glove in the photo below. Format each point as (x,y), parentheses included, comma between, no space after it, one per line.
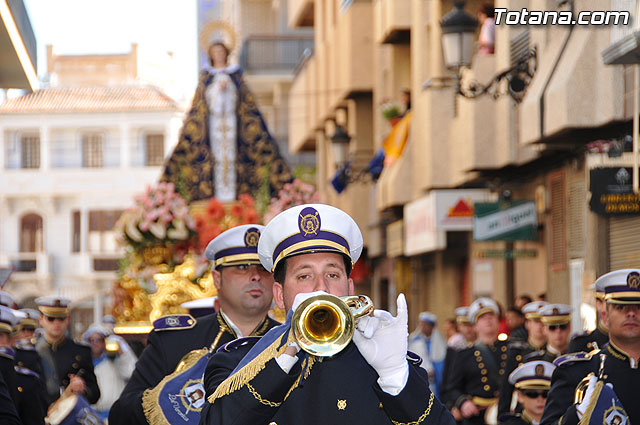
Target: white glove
(382,340)
(303,296)
(287,359)
(582,407)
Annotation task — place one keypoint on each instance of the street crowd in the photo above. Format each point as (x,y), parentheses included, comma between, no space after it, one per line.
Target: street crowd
(239,366)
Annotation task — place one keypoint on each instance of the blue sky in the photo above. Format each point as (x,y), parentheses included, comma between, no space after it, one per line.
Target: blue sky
(92,26)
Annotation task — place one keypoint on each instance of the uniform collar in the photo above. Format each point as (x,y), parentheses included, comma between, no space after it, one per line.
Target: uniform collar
(258,331)
(55,345)
(621,355)
(528,418)
(554,351)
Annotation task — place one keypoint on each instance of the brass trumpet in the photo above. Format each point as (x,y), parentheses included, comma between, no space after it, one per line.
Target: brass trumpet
(323,325)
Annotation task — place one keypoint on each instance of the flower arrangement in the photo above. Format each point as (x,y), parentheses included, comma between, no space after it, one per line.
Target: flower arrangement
(158,228)
(291,194)
(219,217)
(159,216)
(390,110)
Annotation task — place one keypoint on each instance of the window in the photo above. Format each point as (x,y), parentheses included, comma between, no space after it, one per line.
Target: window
(154,149)
(101,236)
(92,151)
(30,151)
(31,233)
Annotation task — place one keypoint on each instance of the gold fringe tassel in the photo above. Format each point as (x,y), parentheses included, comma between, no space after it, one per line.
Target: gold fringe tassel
(251,369)
(151,396)
(586,418)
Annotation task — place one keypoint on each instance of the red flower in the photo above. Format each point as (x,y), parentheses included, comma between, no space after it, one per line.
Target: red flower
(246,199)
(215,210)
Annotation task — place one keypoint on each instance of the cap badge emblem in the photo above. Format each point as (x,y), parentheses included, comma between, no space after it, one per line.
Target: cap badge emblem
(539,370)
(342,404)
(555,311)
(251,237)
(633,280)
(309,222)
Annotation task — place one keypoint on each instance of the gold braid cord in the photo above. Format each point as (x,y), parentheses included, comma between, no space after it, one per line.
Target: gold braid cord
(421,418)
(260,399)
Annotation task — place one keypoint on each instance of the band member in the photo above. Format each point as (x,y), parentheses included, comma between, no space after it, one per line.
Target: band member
(536,341)
(597,338)
(477,370)
(532,381)
(556,319)
(24,384)
(244,295)
(66,364)
(615,363)
(311,249)
(464,339)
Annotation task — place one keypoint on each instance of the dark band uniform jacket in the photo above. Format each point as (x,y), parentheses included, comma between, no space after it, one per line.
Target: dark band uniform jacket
(8,414)
(588,342)
(338,390)
(167,344)
(476,376)
(24,387)
(619,369)
(68,358)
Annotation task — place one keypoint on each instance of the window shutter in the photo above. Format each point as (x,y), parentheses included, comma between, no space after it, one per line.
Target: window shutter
(557,257)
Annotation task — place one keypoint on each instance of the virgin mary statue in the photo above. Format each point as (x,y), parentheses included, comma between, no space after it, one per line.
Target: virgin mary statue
(224,148)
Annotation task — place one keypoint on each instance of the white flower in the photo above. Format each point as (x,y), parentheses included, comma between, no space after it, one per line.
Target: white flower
(158,230)
(179,232)
(133,232)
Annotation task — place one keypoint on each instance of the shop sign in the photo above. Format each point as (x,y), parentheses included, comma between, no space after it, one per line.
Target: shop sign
(395,239)
(507,254)
(420,231)
(454,208)
(505,221)
(612,192)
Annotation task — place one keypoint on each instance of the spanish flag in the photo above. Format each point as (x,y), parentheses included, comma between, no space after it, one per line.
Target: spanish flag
(395,142)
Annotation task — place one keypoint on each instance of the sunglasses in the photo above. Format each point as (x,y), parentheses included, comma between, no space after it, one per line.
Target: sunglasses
(51,319)
(555,327)
(536,393)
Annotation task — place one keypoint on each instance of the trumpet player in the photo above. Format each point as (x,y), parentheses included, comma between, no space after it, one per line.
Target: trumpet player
(311,250)
(616,363)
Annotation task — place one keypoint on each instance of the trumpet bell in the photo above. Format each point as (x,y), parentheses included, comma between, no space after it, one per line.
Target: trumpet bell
(323,325)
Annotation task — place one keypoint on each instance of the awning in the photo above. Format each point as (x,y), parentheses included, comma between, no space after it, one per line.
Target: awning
(582,92)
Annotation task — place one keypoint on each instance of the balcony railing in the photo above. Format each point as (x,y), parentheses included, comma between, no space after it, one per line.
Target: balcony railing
(274,53)
(28,263)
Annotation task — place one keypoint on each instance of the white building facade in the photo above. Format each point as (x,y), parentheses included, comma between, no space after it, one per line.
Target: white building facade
(71,160)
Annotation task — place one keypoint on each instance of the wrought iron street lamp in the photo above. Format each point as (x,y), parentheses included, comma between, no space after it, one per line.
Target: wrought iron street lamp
(458,41)
(458,37)
(340,145)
